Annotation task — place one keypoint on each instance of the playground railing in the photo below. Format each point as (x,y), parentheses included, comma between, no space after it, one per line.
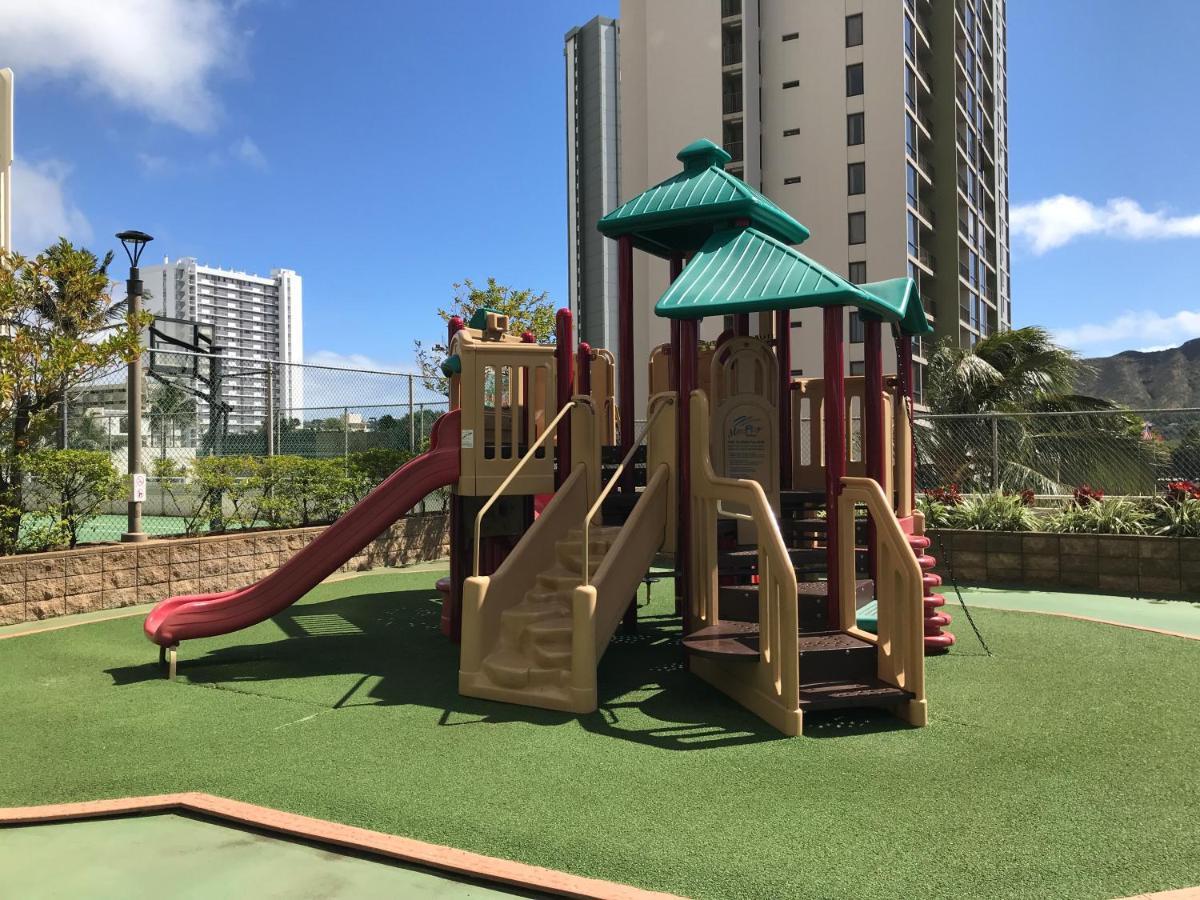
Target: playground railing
(778,676)
(512,475)
(615,480)
(898,591)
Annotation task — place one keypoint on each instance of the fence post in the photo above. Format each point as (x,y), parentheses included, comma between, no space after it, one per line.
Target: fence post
(270,409)
(412,434)
(995,453)
(346,436)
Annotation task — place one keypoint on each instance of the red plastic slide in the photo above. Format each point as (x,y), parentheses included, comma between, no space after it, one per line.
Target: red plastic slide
(205,615)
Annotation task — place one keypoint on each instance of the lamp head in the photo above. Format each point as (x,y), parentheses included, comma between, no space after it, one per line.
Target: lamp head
(134,243)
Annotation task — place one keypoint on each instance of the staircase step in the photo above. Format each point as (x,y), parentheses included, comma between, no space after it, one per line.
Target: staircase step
(835,656)
(729,640)
(739,602)
(844,694)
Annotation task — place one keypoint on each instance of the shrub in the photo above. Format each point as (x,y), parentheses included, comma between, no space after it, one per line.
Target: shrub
(992,512)
(377,463)
(1179,517)
(1179,491)
(69,489)
(936,513)
(1085,494)
(1112,515)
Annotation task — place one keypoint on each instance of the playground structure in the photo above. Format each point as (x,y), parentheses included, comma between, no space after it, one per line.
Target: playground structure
(785,505)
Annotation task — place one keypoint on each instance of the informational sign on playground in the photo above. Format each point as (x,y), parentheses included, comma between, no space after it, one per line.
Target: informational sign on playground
(139,488)
(747,442)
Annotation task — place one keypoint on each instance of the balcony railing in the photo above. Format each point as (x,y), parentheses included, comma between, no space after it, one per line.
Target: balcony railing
(731,103)
(731,8)
(731,54)
(735,149)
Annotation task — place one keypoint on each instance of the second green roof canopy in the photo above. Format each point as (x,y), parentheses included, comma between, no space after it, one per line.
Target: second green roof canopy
(743,270)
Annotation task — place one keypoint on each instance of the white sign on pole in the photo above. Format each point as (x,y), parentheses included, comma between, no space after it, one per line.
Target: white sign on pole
(139,488)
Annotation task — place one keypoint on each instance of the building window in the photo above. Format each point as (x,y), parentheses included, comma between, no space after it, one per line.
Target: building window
(854,80)
(856,177)
(791,37)
(798,373)
(858,227)
(791,132)
(795,179)
(858,367)
(856,128)
(790,84)
(854,30)
(858,273)
(796,324)
(857,332)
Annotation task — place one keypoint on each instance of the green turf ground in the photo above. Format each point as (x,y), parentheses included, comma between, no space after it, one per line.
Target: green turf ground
(1063,766)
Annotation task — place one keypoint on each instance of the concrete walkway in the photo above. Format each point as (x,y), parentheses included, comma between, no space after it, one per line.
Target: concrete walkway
(1180,616)
(169,855)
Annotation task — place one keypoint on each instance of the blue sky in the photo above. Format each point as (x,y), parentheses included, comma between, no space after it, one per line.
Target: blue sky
(389,150)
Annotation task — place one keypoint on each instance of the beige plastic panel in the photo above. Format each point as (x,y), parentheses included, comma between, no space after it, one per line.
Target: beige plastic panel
(808,433)
(506,391)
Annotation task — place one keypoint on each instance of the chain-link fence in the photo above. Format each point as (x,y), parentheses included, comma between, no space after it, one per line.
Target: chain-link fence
(235,441)
(1126,452)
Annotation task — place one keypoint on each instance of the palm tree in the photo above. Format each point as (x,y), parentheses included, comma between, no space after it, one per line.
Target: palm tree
(995,438)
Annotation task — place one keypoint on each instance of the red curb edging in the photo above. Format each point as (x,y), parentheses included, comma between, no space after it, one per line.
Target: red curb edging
(433,856)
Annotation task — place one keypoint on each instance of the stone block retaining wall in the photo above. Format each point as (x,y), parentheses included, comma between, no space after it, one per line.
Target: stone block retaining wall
(107,576)
(1104,563)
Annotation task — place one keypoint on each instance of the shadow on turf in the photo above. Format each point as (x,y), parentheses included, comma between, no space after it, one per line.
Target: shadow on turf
(391,640)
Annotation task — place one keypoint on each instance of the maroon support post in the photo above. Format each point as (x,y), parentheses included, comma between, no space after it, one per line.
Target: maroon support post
(874,421)
(741,324)
(835,452)
(904,366)
(783,360)
(673,359)
(688,350)
(460,546)
(625,403)
(564,354)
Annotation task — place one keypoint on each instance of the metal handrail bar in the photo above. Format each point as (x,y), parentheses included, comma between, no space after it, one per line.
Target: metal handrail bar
(549,430)
(612,482)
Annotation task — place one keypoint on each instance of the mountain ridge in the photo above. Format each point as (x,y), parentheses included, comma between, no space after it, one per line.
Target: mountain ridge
(1154,379)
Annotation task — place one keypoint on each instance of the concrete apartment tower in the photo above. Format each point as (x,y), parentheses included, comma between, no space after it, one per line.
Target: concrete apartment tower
(592,56)
(882,126)
(254,318)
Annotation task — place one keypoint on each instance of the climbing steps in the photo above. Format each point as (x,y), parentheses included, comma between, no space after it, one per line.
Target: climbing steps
(533,652)
(936,640)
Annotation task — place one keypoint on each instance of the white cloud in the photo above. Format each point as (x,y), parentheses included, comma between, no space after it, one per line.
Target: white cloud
(1058,220)
(1148,329)
(248,152)
(41,210)
(153,164)
(157,56)
(356,361)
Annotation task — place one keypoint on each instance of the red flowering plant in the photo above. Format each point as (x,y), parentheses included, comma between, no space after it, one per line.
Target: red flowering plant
(1028,498)
(1179,491)
(946,495)
(1085,495)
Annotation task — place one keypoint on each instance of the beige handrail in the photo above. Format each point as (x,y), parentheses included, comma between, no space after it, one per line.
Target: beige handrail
(612,482)
(778,626)
(897,588)
(549,430)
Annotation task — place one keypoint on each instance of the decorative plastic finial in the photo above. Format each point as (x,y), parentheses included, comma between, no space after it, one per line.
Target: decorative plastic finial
(701,154)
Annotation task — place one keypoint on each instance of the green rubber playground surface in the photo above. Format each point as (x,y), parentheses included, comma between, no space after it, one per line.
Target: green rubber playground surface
(1063,765)
(148,857)
(1180,615)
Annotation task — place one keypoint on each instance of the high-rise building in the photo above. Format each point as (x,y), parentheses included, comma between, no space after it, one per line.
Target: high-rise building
(592,53)
(254,320)
(881,126)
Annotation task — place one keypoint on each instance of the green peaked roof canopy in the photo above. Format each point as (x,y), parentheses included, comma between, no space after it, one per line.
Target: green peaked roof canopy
(743,270)
(678,215)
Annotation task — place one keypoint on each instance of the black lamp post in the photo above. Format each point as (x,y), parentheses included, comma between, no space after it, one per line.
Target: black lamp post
(134,243)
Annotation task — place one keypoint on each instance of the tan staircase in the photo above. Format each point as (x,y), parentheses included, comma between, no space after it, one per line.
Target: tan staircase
(534,647)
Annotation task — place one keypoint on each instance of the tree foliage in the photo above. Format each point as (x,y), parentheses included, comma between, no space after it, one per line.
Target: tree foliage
(69,489)
(1023,373)
(526,311)
(58,328)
